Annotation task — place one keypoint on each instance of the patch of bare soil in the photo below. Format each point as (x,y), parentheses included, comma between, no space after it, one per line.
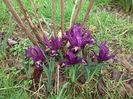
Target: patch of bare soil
(117,10)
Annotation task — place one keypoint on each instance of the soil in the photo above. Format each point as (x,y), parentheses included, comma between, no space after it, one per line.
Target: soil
(117,10)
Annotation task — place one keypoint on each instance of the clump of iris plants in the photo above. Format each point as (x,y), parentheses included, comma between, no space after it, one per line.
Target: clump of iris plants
(71,49)
(76,46)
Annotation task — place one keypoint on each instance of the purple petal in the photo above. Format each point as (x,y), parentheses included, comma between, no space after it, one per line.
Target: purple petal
(36,54)
(103,52)
(71,59)
(87,38)
(46,42)
(55,43)
(78,37)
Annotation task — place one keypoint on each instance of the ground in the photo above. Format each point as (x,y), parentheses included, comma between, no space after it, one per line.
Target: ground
(114,81)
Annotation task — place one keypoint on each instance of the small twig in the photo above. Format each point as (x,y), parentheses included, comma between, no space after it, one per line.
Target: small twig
(77,12)
(19,21)
(37,17)
(37,90)
(123,33)
(7,88)
(88,11)
(32,91)
(53,17)
(62,17)
(73,11)
(27,17)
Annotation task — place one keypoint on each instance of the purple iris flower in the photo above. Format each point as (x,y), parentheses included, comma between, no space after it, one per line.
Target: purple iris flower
(103,53)
(87,38)
(46,42)
(78,37)
(53,44)
(71,59)
(36,54)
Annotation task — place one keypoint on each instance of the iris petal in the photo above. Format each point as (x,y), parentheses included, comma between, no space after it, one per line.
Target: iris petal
(72,59)
(54,43)
(36,54)
(103,52)
(78,37)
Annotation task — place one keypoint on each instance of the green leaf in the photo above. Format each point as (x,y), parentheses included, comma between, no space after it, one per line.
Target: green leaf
(126,4)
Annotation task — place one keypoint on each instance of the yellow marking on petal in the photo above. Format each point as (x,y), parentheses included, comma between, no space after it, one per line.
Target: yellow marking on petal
(76,48)
(38,62)
(63,64)
(53,51)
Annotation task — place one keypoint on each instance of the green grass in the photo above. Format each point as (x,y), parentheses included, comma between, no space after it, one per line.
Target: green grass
(106,25)
(10,87)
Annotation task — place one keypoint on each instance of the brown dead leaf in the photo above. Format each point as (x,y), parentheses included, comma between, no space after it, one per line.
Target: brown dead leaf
(122,59)
(127,64)
(22,77)
(126,90)
(130,81)
(129,89)
(101,87)
(116,75)
(81,79)
(11,42)
(122,92)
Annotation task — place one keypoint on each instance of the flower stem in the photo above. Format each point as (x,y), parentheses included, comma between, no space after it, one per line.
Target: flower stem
(58,78)
(28,18)
(53,18)
(73,11)
(62,17)
(37,17)
(77,12)
(19,21)
(87,13)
